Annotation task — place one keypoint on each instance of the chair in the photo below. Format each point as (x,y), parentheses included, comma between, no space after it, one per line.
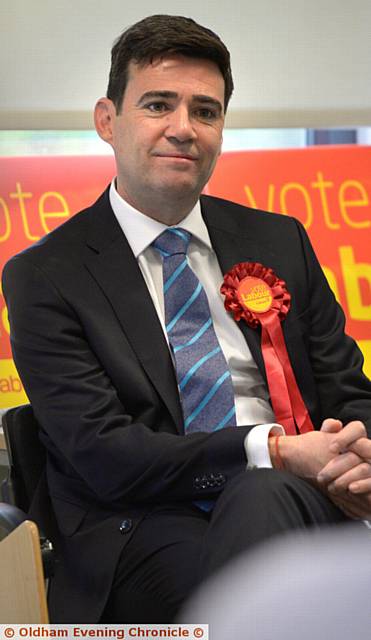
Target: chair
(23,551)
(22,590)
(27,457)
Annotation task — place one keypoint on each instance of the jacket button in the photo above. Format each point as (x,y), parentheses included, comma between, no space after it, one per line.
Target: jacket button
(197,482)
(126,526)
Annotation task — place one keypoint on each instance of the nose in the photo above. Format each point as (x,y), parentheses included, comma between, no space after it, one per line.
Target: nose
(180,125)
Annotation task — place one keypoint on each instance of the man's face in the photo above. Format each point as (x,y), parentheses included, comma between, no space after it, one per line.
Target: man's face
(168,134)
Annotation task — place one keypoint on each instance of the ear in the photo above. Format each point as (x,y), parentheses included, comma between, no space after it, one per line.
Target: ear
(104,119)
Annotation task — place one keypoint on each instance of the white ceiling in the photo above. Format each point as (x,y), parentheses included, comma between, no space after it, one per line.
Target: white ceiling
(296,62)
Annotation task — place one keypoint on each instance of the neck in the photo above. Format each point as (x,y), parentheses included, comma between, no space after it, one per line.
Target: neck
(167,210)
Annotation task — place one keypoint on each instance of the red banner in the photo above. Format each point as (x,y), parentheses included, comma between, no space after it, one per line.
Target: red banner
(329,190)
(326,188)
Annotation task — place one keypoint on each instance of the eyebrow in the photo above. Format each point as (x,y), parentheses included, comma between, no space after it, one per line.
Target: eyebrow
(203,99)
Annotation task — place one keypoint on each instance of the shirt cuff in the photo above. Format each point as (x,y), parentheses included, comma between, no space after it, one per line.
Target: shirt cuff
(256,445)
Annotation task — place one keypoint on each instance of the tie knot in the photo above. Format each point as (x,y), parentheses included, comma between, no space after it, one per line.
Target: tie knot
(172,241)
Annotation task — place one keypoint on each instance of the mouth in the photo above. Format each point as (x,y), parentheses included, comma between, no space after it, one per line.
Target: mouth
(177,157)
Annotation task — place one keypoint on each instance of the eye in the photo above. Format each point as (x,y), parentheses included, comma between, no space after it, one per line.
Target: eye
(156,107)
(205,113)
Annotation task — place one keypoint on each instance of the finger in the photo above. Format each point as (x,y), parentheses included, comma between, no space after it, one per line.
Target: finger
(353,506)
(343,463)
(362,447)
(354,514)
(358,503)
(349,434)
(330,425)
(348,510)
(360,472)
(360,486)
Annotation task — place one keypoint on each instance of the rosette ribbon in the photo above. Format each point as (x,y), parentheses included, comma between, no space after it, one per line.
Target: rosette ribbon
(255,294)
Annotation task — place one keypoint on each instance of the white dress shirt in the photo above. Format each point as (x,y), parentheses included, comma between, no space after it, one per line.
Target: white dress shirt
(251,395)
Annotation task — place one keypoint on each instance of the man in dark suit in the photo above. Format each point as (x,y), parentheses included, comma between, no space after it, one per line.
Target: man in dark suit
(127,477)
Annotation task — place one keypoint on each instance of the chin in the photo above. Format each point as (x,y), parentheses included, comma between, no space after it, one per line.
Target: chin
(181,185)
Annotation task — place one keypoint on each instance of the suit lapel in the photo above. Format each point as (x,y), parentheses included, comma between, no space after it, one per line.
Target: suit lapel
(234,240)
(232,244)
(111,262)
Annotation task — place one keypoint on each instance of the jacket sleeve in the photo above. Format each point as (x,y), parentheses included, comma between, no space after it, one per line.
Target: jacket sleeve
(336,361)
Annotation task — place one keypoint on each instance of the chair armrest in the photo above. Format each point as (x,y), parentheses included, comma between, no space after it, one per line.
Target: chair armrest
(10,518)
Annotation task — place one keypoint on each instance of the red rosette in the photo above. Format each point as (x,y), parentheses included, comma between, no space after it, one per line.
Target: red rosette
(281,299)
(255,294)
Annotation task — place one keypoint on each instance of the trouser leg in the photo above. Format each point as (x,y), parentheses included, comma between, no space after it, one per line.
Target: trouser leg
(177,546)
(159,567)
(260,504)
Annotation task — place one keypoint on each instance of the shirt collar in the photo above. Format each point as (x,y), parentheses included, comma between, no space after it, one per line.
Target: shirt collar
(141,231)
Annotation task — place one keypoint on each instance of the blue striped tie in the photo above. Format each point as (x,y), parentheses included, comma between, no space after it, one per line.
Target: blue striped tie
(204,379)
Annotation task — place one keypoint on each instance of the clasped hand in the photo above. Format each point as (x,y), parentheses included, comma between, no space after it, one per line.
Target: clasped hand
(346,478)
(338,460)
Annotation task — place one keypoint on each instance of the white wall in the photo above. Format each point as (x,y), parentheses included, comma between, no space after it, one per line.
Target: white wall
(296,62)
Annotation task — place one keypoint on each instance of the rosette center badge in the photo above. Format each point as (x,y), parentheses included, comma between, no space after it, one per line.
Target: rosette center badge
(255,294)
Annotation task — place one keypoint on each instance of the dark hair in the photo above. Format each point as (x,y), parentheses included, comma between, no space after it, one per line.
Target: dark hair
(158,35)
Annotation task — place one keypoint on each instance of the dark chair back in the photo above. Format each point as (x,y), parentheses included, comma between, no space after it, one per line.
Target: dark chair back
(27,457)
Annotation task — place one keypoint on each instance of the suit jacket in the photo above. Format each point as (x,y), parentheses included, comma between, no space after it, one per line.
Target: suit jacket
(90,349)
